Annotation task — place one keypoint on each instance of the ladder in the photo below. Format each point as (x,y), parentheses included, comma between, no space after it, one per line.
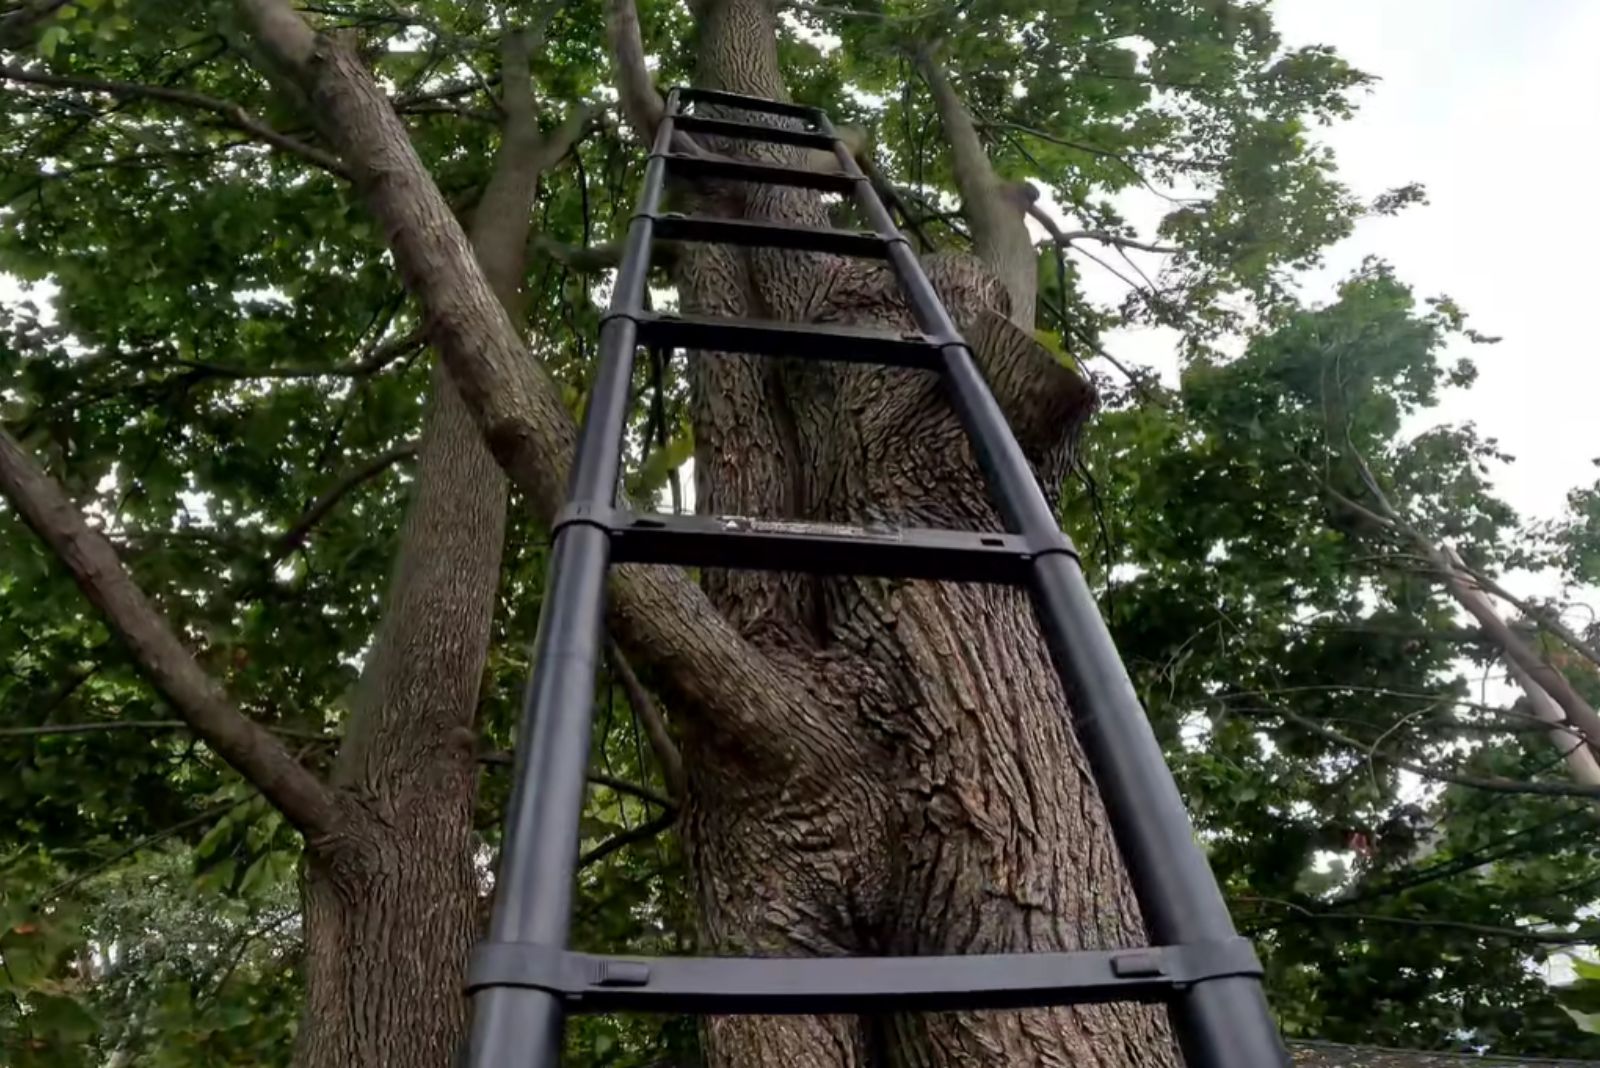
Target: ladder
(522,978)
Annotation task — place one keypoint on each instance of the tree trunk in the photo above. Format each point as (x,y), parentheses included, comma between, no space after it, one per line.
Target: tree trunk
(390,903)
(931,797)
(392,906)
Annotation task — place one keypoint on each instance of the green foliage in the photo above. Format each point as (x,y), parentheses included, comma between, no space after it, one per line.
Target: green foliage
(199,366)
(1256,611)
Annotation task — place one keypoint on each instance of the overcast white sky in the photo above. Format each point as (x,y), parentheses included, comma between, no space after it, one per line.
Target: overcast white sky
(1492,105)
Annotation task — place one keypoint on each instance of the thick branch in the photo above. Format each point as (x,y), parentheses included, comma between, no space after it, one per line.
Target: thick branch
(660,615)
(591,259)
(233,114)
(1458,583)
(196,697)
(641,104)
(993,207)
(296,535)
(1579,758)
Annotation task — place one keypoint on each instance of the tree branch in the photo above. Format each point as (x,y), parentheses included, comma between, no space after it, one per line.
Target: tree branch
(643,832)
(1541,617)
(1105,237)
(659,614)
(611,782)
(1493,785)
(641,104)
(301,529)
(1579,713)
(591,259)
(251,750)
(994,208)
(146,842)
(376,359)
(1522,934)
(233,114)
(655,727)
(45,730)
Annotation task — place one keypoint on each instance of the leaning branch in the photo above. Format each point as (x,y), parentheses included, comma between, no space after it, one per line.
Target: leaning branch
(197,698)
(641,104)
(233,114)
(661,615)
(1579,713)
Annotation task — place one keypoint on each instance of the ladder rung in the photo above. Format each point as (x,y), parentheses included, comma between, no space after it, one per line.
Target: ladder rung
(776,985)
(770,235)
(751,131)
(762,337)
(747,103)
(686,165)
(787,545)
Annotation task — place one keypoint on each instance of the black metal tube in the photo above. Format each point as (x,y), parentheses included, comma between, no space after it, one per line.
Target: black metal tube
(1221,1023)
(534,885)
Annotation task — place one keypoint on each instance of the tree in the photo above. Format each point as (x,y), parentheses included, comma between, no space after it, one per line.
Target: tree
(1311,671)
(234,396)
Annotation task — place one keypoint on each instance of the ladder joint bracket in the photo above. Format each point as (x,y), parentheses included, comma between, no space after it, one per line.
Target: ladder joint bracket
(1048,542)
(636,316)
(584,514)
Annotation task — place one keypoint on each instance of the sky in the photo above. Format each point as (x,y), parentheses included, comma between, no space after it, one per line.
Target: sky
(1492,105)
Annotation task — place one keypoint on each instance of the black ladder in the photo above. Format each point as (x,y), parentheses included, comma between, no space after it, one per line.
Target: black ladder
(523,979)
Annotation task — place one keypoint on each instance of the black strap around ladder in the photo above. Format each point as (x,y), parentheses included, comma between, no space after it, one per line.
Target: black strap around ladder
(523,979)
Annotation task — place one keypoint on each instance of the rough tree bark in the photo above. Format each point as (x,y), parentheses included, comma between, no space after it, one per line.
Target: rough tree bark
(874,766)
(391,901)
(929,797)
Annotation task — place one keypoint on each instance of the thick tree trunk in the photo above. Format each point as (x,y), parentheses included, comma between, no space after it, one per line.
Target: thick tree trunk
(931,798)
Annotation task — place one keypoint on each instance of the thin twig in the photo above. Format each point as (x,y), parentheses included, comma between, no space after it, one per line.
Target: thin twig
(655,726)
(646,830)
(1493,784)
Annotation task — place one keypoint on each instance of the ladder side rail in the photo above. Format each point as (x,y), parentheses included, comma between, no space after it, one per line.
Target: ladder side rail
(1222,1023)
(536,880)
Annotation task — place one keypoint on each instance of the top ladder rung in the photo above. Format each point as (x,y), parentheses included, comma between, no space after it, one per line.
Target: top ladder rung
(752,131)
(748,103)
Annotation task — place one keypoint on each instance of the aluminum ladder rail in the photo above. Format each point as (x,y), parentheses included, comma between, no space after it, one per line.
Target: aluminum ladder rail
(522,978)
